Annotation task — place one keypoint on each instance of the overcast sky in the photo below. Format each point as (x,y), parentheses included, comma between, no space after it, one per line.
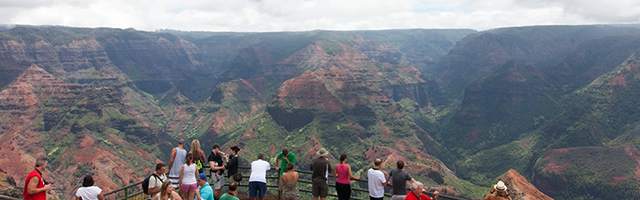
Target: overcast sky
(301,15)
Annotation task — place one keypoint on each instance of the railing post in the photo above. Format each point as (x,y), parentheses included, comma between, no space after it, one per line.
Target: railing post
(278,182)
(126,193)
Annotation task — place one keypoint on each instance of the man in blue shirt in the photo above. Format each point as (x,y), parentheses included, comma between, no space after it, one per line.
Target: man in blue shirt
(204,191)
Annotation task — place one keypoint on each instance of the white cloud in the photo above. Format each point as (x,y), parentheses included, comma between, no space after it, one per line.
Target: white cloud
(297,15)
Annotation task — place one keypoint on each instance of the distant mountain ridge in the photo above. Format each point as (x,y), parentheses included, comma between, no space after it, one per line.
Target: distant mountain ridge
(479,54)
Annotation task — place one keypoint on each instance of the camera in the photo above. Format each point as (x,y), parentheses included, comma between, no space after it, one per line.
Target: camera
(48,182)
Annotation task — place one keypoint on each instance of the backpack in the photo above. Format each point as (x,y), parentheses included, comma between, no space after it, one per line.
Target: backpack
(145,183)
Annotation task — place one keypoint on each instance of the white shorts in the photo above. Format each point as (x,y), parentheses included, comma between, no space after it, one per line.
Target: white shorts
(219,183)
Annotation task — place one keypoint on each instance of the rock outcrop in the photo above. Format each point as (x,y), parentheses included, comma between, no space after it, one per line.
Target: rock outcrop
(8,186)
(519,188)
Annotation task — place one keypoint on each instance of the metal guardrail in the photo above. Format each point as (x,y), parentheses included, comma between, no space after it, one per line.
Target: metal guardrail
(277,177)
(134,191)
(130,191)
(366,190)
(8,197)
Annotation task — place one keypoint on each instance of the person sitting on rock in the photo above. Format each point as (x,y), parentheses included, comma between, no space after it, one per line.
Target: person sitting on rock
(498,192)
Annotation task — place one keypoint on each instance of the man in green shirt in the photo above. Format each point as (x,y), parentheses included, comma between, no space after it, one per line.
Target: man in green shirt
(286,157)
(233,186)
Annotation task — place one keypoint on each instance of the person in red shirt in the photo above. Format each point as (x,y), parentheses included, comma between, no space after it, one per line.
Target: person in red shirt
(417,193)
(35,187)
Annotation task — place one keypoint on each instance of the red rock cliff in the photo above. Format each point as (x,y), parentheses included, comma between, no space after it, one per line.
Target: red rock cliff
(520,189)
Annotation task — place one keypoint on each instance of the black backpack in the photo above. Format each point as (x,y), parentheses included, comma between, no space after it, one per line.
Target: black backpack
(145,183)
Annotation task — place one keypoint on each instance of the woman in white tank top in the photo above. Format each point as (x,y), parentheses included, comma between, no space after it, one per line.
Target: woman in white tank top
(188,174)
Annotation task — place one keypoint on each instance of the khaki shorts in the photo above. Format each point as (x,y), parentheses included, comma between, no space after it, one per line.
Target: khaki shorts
(320,188)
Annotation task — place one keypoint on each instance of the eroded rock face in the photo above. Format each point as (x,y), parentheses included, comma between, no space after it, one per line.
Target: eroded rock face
(81,61)
(563,167)
(26,135)
(347,94)
(311,58)
(157,64)
(20,139)
(519,188)
(8,186)
(245,98)
(378,51)
(515,94)
(249,63)
(298,100)
(32,86)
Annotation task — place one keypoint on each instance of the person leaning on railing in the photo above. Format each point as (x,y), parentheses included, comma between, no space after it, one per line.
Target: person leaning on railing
(398,179)
(320,167)
(289,183)
(258,178)
(377,180)
(343,175)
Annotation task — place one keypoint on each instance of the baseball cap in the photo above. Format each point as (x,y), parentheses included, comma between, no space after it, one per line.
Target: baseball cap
(202,176)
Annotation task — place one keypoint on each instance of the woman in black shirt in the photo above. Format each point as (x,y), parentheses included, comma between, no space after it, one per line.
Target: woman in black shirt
(232,164)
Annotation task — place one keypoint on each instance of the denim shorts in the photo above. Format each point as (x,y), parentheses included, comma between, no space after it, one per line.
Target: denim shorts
(257,189)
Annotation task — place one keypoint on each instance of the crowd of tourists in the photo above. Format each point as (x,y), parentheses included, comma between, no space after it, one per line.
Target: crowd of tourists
(191,181)
(186,173)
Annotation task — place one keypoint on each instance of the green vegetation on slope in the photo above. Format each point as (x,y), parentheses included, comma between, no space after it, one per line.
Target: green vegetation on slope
(93,112)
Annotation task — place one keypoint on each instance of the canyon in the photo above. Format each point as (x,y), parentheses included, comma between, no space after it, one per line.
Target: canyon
(545,99)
